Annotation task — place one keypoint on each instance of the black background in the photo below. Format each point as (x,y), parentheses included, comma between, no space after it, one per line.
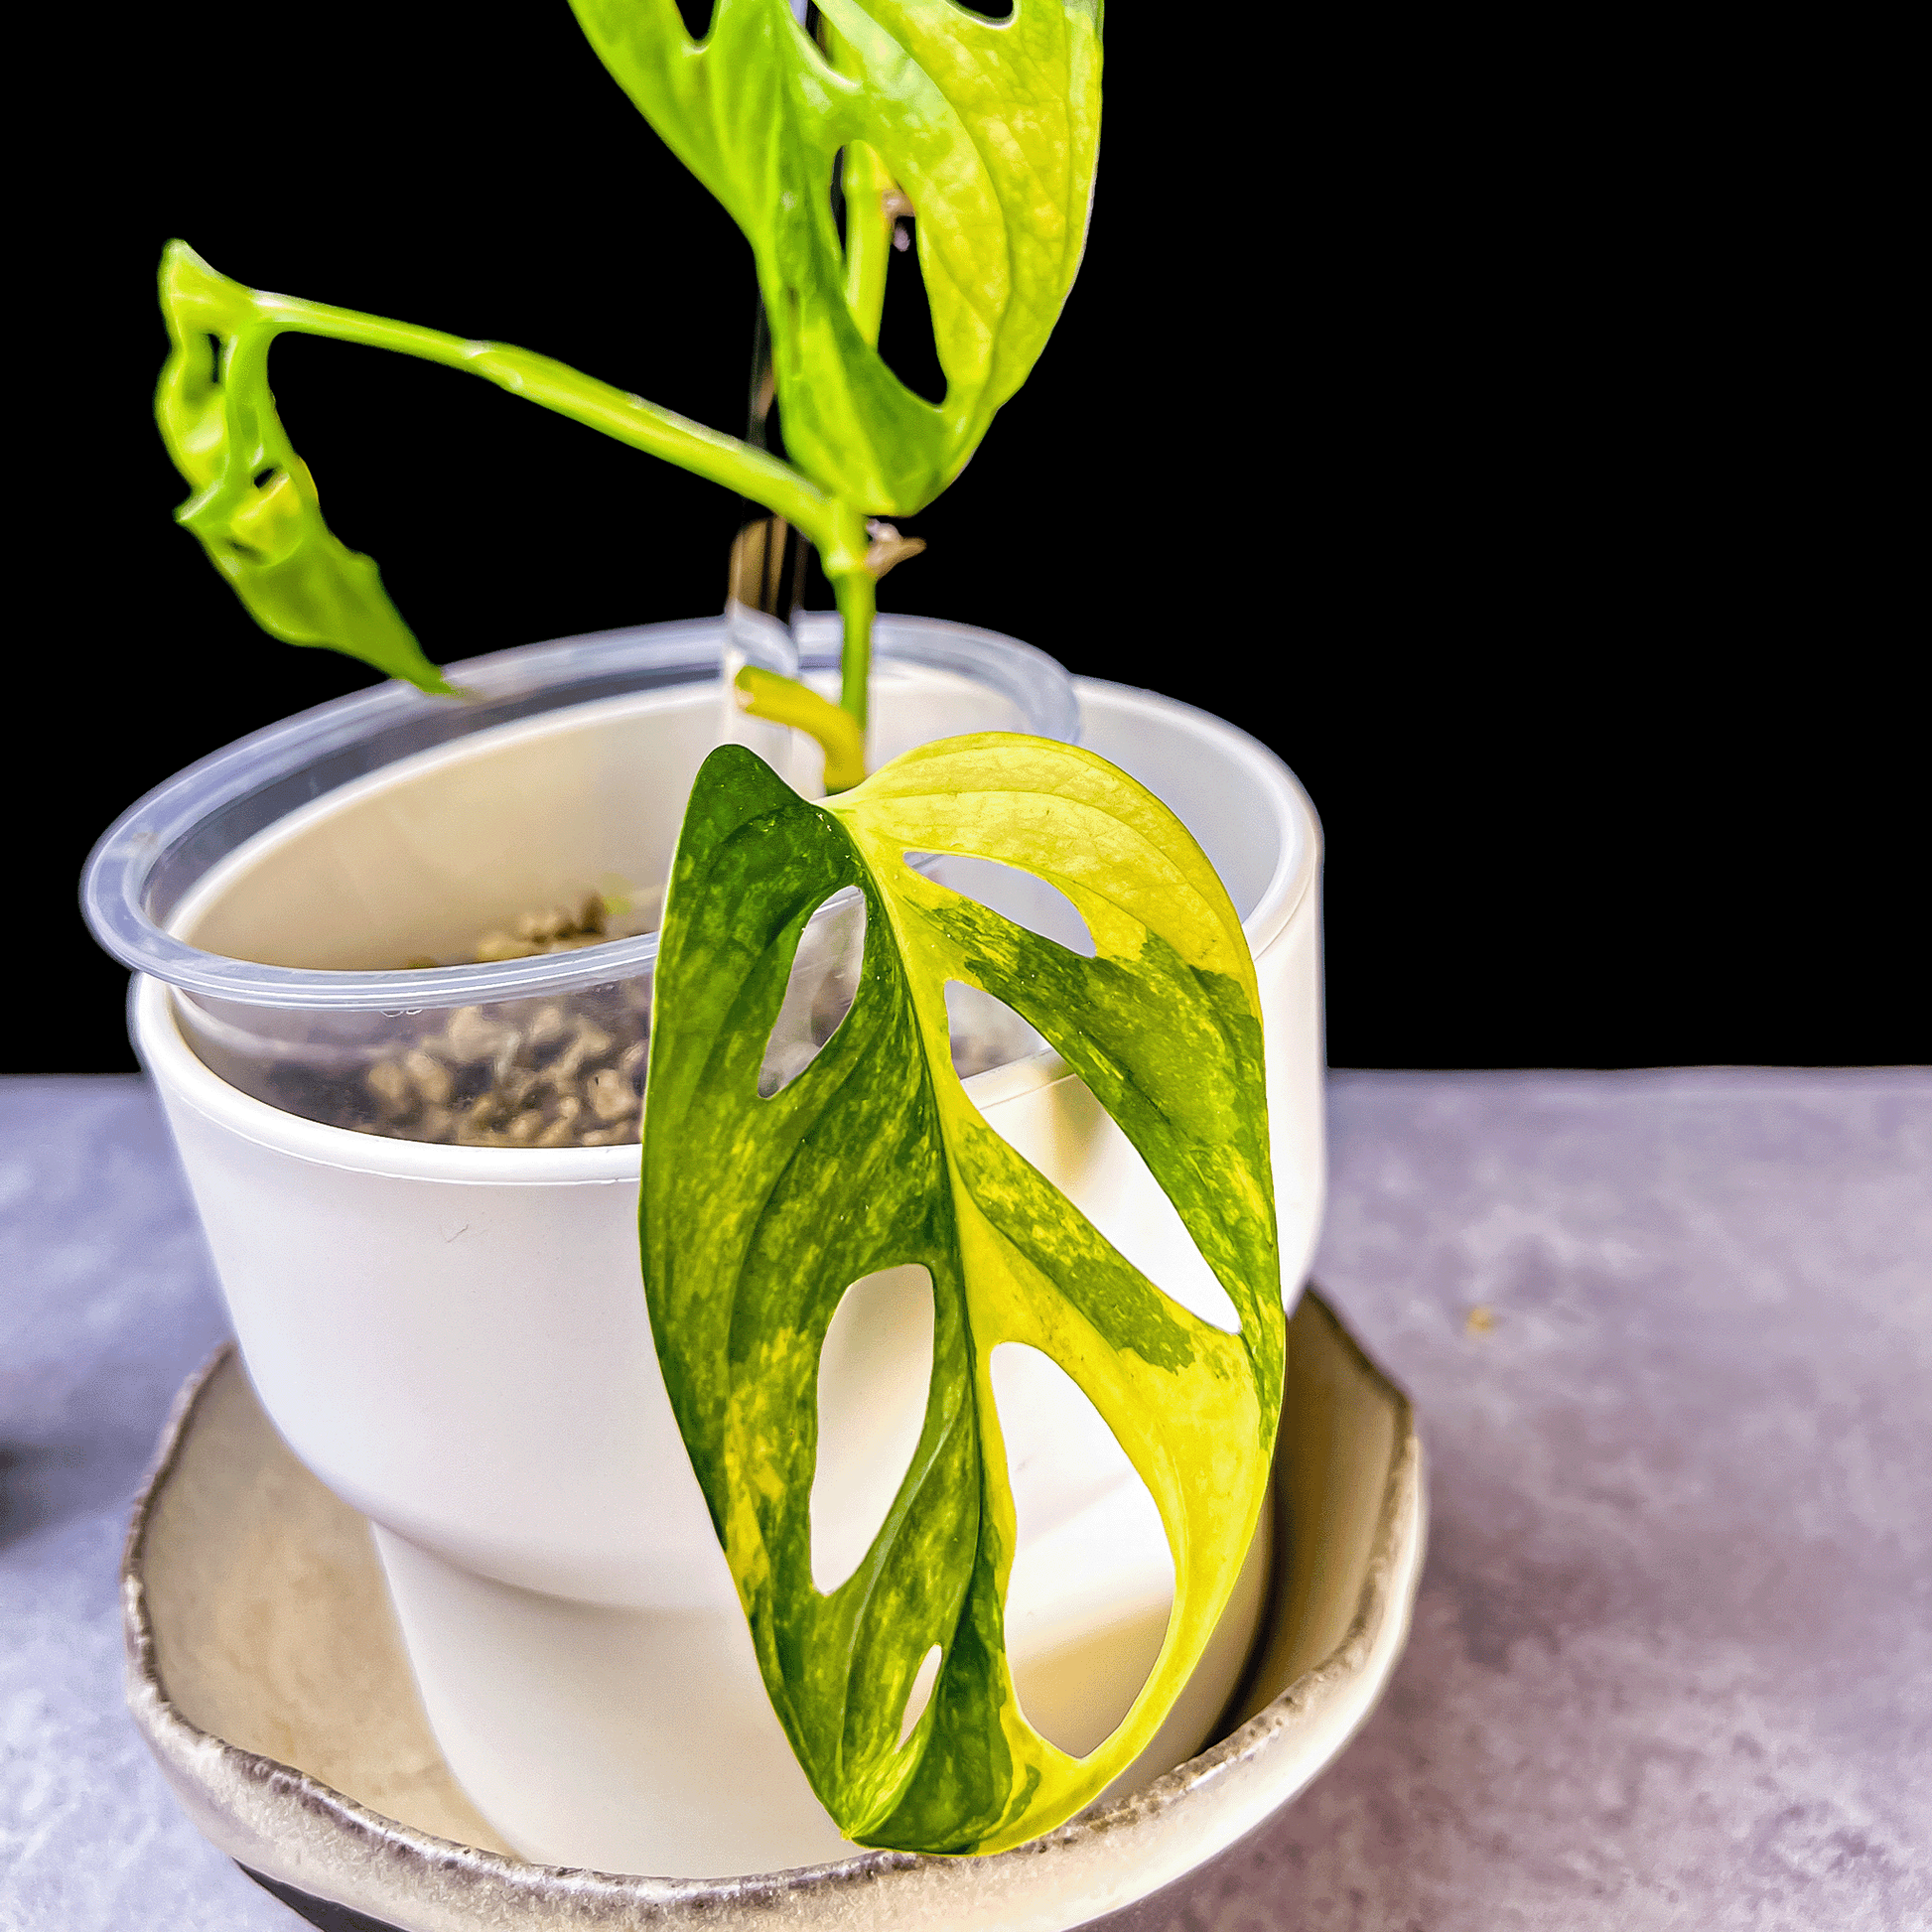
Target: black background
(1487,425)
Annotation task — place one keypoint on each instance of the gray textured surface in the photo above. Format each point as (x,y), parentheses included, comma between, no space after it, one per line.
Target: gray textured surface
(1672,1663)
(107,1304)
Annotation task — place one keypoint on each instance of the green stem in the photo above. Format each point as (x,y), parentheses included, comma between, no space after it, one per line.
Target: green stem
(868,251)
(857,598)
(554,385)
(835,527)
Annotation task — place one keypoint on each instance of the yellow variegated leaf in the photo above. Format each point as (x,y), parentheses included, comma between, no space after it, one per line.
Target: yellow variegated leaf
(758,1211)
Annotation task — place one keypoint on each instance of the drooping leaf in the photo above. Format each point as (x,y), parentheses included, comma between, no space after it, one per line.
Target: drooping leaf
(991,129)
(759,1212)
(255,506)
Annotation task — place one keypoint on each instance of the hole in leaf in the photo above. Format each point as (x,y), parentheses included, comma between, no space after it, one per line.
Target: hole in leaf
(921,1695)
(1021,896)
(818,994)
(906,339)
(985,1032)
(1092,1579)
(838,197)
(874,1375)
(988,9)
(1073,1141)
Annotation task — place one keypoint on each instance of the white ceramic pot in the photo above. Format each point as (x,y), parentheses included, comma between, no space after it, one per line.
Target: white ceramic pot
(454,1340)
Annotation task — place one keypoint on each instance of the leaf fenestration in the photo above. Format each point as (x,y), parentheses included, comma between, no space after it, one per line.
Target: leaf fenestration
(756,1212)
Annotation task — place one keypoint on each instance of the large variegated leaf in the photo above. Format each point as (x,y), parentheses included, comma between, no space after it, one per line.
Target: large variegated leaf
(759,1212)
(991,128)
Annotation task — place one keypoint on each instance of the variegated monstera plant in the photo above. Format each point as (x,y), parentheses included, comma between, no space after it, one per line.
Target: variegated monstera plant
(758,1211)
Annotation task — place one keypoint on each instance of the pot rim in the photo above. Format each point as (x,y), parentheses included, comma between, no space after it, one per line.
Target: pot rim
(129,868)
(188,1081)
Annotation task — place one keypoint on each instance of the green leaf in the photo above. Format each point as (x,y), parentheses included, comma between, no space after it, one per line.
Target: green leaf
(991,129)
(254,505)
(759,1212)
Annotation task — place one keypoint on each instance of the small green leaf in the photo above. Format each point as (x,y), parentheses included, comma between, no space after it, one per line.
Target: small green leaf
(759,1212)
(255,506)
(991,129)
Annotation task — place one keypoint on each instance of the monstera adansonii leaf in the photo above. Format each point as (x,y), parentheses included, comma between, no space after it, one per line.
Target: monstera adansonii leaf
(991,128)
(254,504)
(757,1214)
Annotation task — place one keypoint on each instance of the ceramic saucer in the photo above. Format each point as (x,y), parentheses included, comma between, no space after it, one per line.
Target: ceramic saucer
(264,1669)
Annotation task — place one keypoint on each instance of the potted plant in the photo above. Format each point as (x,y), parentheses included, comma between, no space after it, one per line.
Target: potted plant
(775,1504)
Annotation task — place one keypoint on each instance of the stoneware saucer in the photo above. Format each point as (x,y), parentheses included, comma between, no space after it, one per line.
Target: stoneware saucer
(264,1669)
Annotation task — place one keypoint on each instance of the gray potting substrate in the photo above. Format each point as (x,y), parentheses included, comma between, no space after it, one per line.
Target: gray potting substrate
(567,1071)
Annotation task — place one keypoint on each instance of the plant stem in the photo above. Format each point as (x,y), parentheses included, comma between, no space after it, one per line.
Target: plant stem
(863,183)
(857,596)
(836,528)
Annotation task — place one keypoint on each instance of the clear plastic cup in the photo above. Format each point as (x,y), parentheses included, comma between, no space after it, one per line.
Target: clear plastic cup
(318,894)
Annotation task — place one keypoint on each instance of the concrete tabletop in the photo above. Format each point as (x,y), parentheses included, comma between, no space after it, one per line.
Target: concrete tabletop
(1670,1337)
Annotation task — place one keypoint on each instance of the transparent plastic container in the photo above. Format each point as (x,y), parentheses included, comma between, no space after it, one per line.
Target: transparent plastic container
(318,894)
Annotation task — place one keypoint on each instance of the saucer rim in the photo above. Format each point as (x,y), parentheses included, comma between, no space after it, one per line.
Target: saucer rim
(219,1783)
